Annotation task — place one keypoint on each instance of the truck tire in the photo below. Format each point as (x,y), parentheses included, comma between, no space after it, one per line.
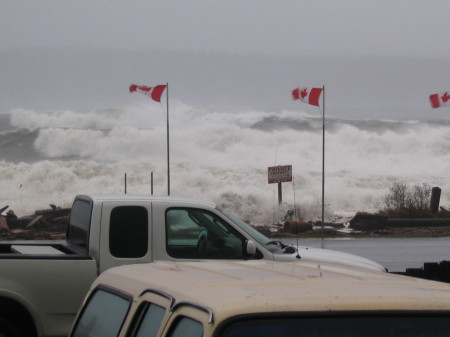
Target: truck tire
(7,329)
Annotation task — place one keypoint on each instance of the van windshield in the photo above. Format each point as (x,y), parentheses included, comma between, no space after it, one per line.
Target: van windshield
(356,326)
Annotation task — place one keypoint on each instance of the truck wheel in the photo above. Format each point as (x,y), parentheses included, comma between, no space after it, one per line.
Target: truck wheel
(8,329)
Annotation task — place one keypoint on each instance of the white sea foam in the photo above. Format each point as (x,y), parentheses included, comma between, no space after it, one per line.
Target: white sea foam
(222,157)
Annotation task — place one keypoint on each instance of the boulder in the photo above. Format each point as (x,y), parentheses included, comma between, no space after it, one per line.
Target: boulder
(368,222)
(295,227)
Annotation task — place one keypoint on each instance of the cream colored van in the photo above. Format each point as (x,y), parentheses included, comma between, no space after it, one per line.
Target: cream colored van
(261,299)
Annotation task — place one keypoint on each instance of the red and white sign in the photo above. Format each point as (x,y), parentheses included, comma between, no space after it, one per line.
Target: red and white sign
(280,174)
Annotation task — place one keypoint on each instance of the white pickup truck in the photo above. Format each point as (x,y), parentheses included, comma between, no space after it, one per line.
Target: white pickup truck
(42,284)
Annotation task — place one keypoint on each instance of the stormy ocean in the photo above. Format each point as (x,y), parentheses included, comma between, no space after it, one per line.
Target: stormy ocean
(47,157)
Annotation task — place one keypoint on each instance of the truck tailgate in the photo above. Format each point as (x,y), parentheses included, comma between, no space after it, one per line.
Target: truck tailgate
(51,287)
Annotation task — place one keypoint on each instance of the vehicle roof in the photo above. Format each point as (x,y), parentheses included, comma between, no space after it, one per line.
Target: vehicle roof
(231,288)
(144,197)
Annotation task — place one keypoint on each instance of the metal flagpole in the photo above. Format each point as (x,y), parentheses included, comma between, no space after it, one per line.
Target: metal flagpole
(323,163)
(168,156)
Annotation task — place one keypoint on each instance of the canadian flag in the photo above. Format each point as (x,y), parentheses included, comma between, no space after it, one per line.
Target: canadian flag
(440,99)
(307,95)
(154,93)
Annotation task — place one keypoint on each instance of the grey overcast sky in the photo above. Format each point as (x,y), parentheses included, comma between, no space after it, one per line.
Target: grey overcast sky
(278,43)
(324,27)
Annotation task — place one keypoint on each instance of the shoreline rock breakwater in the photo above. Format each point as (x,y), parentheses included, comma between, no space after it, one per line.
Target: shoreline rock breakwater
(51,224)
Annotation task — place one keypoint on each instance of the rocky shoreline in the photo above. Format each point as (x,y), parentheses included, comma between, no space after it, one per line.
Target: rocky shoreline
(367,225)
(51,224)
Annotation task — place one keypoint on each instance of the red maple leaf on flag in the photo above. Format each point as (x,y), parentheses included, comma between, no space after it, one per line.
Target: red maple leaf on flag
(304,93)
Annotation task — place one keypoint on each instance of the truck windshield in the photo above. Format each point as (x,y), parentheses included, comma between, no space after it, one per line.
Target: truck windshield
(257,236)
(379,326)
(275,247)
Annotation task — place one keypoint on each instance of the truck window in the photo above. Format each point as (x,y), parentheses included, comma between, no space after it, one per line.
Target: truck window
(128,232)
(186,327)
(80,220)
(357,326)
(148,325)
(197,233)
(103,315)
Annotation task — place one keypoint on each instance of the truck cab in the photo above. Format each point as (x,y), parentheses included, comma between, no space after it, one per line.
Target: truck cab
(139,228)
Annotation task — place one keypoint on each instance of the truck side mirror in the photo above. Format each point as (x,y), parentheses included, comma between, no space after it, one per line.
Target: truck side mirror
(250,248)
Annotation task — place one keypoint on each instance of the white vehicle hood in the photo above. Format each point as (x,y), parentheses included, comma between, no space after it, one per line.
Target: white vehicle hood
(319,255)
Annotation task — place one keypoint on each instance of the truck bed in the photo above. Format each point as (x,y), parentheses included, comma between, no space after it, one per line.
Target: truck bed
(34,250)
(48,280)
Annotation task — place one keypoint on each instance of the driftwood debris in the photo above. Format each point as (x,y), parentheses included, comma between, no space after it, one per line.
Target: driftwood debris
(45,224)
(3,224)
(32,222)
(3,209)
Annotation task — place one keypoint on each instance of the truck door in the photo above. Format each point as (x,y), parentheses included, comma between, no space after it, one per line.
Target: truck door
(125,234)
